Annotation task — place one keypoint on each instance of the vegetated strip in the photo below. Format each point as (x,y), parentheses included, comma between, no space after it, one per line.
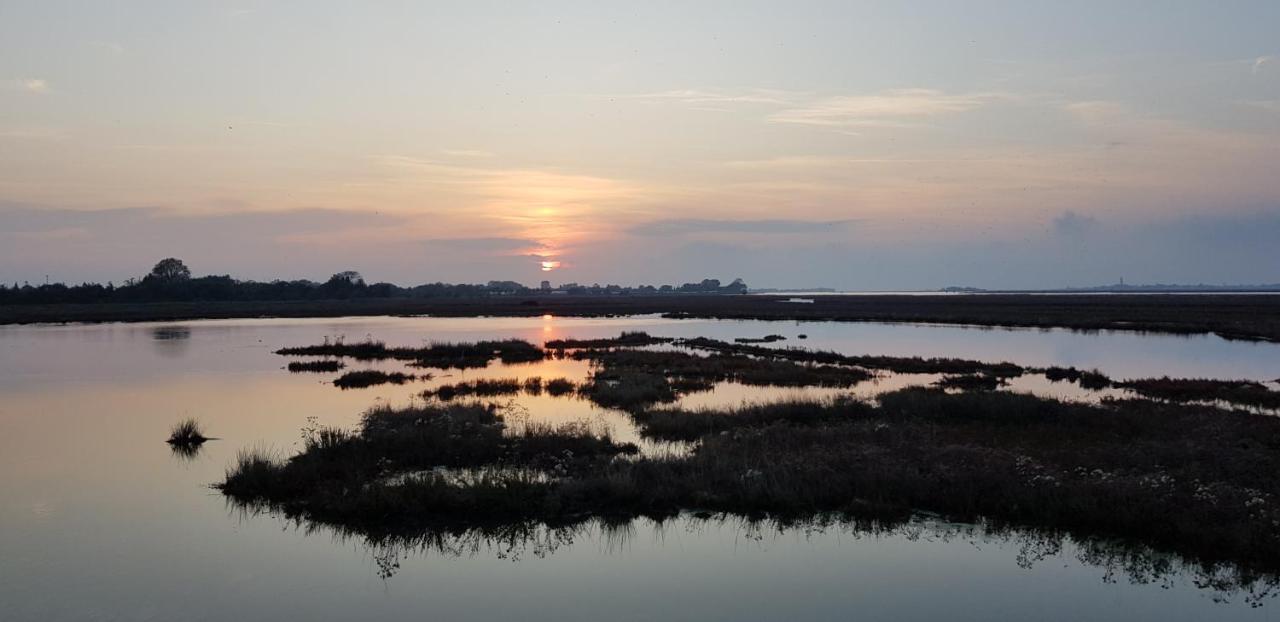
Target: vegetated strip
(1248,317)
(1245,392)
(1191,479)
(371,377)
(626,339)
(440,355)
(315,366)
(898,364)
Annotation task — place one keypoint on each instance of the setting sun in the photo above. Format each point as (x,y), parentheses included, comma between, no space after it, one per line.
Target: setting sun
(548,266)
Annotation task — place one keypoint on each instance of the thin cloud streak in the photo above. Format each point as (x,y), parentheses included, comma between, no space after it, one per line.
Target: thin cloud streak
(684,226)
(889,109)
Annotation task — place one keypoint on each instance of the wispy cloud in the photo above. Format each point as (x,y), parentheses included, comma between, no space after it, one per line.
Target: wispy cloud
(1260,62)
(682,226)
(894,108)
(467,153)
(701,97)
(28,85)
(816,162)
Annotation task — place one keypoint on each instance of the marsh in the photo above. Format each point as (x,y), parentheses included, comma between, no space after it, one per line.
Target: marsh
(98,478)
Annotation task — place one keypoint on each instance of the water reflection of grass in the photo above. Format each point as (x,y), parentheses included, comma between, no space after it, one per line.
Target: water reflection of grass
(1117,558)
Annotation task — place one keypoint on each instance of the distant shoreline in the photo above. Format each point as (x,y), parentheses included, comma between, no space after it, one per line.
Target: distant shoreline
(1253,317)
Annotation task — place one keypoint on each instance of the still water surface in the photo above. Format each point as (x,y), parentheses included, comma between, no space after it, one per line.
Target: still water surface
(99,521)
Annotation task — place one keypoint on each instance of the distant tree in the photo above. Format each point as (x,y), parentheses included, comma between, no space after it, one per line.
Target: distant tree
(349,277)
(170,270)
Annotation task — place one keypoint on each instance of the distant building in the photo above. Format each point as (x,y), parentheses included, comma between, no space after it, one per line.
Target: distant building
(546,286)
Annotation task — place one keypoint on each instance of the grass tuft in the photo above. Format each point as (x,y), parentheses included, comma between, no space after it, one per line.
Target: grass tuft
(187,432)
(371,377)
(315,366)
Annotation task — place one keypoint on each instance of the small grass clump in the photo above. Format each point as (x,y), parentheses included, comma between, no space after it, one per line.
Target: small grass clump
(971,382)
(764,339)
(478,388)
(371,377)
(628,339)
(559,387)
(1243,392)
(1092,379)
(629,390)
(187,433)
(315,366)
(533,385)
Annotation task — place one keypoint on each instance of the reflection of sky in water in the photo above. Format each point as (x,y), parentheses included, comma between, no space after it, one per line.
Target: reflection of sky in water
(99,520)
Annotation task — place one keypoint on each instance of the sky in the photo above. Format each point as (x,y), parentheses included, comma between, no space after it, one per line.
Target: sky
(862,146)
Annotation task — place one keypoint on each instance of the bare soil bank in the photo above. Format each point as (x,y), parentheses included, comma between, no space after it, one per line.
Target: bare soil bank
(1249,317)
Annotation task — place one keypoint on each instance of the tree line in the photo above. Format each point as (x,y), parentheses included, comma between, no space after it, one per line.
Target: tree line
(170,280)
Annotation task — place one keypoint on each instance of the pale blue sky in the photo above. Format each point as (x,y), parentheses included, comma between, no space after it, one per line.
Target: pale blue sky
(857,145)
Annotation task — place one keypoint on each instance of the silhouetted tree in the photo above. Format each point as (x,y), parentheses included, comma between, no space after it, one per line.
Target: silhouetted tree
(350,277)
(170,270)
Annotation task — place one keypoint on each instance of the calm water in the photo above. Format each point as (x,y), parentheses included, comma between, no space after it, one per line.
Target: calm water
(100,522)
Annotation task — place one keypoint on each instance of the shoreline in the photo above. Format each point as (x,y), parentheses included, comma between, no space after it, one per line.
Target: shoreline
(1247,317)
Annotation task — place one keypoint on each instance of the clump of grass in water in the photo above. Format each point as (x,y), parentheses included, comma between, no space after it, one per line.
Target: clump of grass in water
(533,386)
(898,364)
(480,388)
(370,377)
(1092,379)
(315,366)
(187,433)
(438,355)
(764,339)
(971,382)
(629,339)
(1245,392)
(719,366)
(557,387)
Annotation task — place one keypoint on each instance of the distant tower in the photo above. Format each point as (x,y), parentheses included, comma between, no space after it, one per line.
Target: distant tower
(546,286)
